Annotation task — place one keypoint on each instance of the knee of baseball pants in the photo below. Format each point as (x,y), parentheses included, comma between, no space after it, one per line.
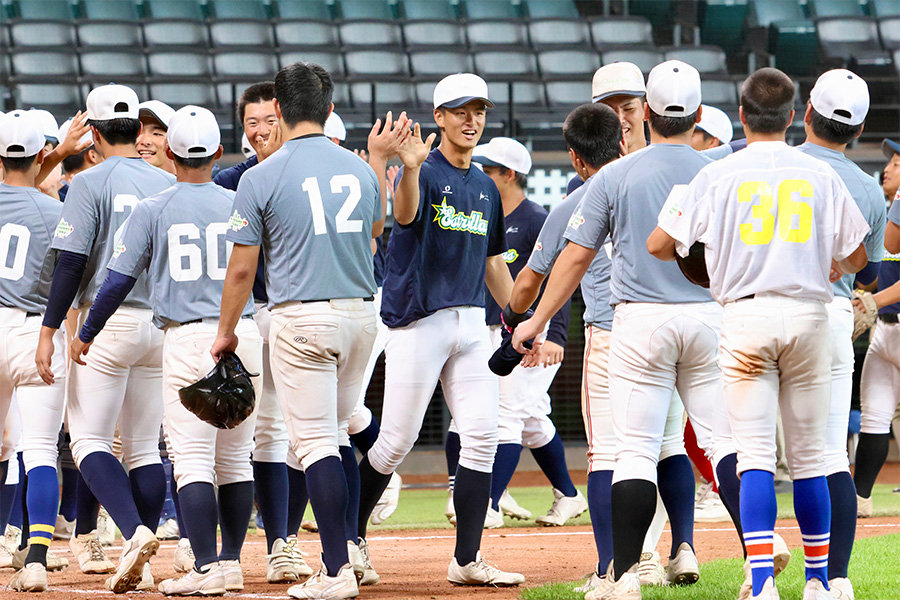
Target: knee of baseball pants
(293,462)
(385,455)
(12,470)
(233,456)
(510,430)
(12,434)
(452,427)
(194,467)
(877,393)
(477,449)
(360,419)
(140,451)
(673,435)
(538,431)
(270,435)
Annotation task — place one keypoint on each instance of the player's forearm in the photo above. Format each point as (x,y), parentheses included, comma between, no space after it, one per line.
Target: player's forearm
(558,330)
(892,237)
(855,262)
(50,161)
(406,198)
(661,245)
(525,289)
(112,293)
(66,280)
(237,287)
(499,281)
(887,296)
(379,165)
(570,267)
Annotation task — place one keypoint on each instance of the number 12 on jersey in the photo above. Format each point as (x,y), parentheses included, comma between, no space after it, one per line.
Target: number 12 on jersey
(761,229)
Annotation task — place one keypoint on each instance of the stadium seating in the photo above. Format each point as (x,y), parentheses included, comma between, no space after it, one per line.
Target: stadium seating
(845,38)
(110,24)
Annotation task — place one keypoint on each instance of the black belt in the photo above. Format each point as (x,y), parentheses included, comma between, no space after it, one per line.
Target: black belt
(369,299)
(748,297)
(32,314)
(889,318)
(195,321)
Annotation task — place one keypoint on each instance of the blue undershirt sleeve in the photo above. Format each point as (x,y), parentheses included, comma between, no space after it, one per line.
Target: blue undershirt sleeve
(111,295)
(66,279)
(868,273)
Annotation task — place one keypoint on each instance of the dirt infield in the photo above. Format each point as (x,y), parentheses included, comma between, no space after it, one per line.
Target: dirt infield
(413,564)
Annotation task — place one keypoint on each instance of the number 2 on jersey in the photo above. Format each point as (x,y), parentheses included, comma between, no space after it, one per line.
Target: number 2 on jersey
(342,221)
(761,229)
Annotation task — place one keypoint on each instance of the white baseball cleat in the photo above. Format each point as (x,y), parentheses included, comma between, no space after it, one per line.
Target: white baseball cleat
(147,584)
(479,572)
(684,568)
(628,587)
(711,509)
(369,575)
(388,502)
(450,510)
(781,555)
(90,554)
(563,509)
(511,508)
(12,537)
(32,578)
(168,530)
(63,529)
(233,574)
(815,590)
(54,562)
(106,528)
(293,548)
(768,592)
(593,582)
(493,519)
(135,554)
(183,561)
(310,526)
(841,588)
(650,570)
(196,583)
(863,507)
(5,557)
(321,586)
(702,490)
(280,566)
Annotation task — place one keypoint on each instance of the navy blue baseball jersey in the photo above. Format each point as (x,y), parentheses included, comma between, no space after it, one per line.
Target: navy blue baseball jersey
(378,260)
(438,260)
(889,271)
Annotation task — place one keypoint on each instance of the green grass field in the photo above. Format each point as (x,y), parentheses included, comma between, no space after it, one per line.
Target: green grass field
(424,509)
(873,571)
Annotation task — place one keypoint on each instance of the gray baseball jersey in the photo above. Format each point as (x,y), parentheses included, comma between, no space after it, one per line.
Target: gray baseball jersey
(869,198)
(595,283)
(623,201)
(27,221)
(178,236)
(311,206)
(97,204)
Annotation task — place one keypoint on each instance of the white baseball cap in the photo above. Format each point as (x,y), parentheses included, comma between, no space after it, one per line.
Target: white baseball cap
(112,101)
(842,96)
(334,127)
(504,152)
(193,133)
(716,123)
(64,131)
(48,124)
(617,79)
(456,90)
(21,134)
(154,109)
(247,149)
(673,89)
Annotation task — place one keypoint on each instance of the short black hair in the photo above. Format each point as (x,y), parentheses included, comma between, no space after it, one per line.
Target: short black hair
(263,91)
(75,162)
(194,163)
(832,131)
(767,98)
(593,131)
(671,126)
(521,179)
(118,131)
(707,136)
(19,164)
(303,91)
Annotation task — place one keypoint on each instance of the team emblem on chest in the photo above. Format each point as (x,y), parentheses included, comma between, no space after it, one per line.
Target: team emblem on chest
(448,218)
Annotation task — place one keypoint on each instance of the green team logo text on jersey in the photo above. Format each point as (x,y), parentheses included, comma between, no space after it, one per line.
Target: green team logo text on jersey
(576,220)
(510,255)
(63,229)
(448,218)
(237,222)
(120,248)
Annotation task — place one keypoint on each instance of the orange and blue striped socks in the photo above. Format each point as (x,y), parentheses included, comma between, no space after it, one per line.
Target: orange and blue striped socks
(758,512)
(812,505)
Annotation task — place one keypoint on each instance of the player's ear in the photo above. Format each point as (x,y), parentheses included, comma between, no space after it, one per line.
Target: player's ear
(277,108)
(861,127)
(646,111)
(791,118)
(699,112)
(807,118)
(330,110)
(39,159)
(439,118)
(169,154)
(219,152)
(741,115)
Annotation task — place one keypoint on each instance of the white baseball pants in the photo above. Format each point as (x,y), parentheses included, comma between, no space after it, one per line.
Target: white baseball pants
(776,353)
(362,416)
(880,382)
(271,437)
(452,346)
(318,354)
(840,324)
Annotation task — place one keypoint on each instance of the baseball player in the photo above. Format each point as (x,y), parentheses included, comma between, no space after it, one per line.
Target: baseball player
(652,301)
(177,236)
(890,176)
(772,220)
(880,373)
(151,144)
(121,382)
(713,130)
(280,483)
(26,225)
(447,243)
(323,322)
(835,115)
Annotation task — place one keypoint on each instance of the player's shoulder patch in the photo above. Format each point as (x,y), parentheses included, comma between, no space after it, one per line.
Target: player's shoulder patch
(63,229)
(119,250)
(237,222)
(576,220)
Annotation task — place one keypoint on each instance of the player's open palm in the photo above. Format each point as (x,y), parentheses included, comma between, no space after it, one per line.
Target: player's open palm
(413,151)
(385,141)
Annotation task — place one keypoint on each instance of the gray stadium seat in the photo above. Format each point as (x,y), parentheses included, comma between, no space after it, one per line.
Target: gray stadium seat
(557,9)
(645,59)
(45,10)
(181,94)
(239,23)
(395,96)
(781,28)
(819,9)
(306,34)
(490,9)
(48,66)
(385,34)
(720,93)
(111,10)
(434,33)
(52,96)
(331,61)
(558,32)
(107,65)
(884,8)
(437,63)
(568,93)
(341,95)
(42,24)
(179,65)
(303,10)
(175,23)
(245,65)
(614,31)
(889,29)
(428,10)
(505,63)
(851,38)
(365,63)
(525,94)
(496,33)
(366,9)
(706,59)
(187,10)
(110,23)
(568,63)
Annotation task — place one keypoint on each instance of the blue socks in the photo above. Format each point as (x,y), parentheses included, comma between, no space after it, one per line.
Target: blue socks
(505,462)
(271,495)
(148,488)
(7,495)
(86,507)
(812,505)
(42,503)
(843,522)
(675,478)
(327,487)
(67,502)
(551,458)
(473,488)
(366,438)
(599,497)
(351,471)
(297,499)
(452,447)
(198,502)
(235,506)
(371,486)
(110,485)
(730,492)
(758,512)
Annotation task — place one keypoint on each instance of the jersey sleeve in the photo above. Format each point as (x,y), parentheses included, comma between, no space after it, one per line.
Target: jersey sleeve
(589,224)
(245,226)
(79,221)
(496,228)
(851,227)
(684,216)
(894,214)
(875,239)
(376,214)
(550,242)
(131,255)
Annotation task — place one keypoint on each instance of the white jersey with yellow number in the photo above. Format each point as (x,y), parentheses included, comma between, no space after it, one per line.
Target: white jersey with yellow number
(771,217)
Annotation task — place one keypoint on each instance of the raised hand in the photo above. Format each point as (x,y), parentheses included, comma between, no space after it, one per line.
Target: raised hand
(385,142)
(72,144)
(413,151)
(268,147)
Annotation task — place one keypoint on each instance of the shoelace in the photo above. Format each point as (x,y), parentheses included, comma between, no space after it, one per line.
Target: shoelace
(294,550)
(95,550)
(189,552)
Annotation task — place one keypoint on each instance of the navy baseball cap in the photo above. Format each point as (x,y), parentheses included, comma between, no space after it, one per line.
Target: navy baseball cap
(890,148)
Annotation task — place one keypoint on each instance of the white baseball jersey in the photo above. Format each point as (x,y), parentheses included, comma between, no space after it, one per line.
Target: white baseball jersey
(772,219)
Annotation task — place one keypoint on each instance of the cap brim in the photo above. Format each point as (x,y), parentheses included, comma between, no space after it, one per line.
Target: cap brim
(890,148)
(465,100)
(146,113)
(634,93)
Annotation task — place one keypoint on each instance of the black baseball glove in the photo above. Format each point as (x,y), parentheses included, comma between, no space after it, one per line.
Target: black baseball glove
(225,397)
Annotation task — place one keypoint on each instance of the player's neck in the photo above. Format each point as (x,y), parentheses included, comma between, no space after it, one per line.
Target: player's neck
(123,150)
(677,140)
(812,138)
(461,158)
(753,136)
(301,129)
(193,175)
(512,200)
(19,178)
